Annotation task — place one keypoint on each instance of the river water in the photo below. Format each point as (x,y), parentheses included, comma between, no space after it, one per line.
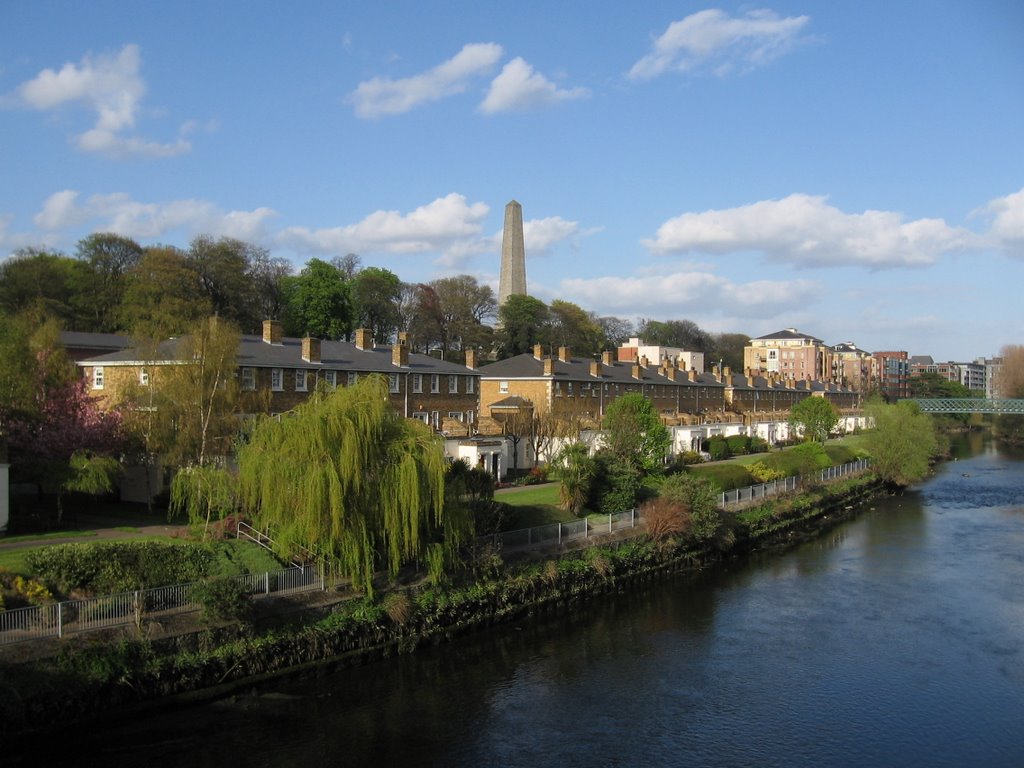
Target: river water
(894,639)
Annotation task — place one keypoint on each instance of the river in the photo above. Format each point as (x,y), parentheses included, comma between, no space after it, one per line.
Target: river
(894,639)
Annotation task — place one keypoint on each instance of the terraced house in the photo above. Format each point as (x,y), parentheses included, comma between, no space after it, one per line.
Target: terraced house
(281,372)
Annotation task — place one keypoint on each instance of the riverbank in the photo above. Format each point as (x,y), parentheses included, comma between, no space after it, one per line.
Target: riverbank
(89,680)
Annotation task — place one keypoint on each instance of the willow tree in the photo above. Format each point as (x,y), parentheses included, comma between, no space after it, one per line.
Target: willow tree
(902,442)
(348,477)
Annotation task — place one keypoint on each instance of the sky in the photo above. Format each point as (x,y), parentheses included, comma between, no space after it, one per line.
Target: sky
(854,170)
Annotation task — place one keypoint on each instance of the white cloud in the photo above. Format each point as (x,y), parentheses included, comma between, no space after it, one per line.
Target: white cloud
(540,235)
(111,86)
(519,87)
(805,230)
(1007,227)
(441,225)
(121,214)
(712,40)
(690,294)
(382,96)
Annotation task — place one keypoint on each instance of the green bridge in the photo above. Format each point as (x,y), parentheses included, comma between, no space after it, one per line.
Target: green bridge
(970,405)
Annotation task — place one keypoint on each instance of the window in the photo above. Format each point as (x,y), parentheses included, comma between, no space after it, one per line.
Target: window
(503,387)
(353,377)
(393,382)
(569,393)
(469,417)
(300,380)
(470,385)
(331,378)
(276,379)
(435,419)
(248,379)
(417,383)
(422,416)
(453,385)
(144,377)
(435,383)
(97,377)
(455,415)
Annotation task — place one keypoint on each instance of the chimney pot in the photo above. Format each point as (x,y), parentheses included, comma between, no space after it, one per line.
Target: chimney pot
(273,331)
(311,349)
(364,339)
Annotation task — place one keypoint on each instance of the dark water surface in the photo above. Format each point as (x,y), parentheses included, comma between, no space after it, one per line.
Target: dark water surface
(895,639)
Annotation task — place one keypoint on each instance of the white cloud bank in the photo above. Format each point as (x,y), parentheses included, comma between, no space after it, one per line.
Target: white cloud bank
(804,230)
(714,41)
(690,293)
(519,87)
(382,96)
(1007,228)
(111,86)
(442,225)
(122,215)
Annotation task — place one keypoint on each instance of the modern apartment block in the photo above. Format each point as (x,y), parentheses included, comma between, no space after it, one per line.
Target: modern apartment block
(791,354)
(892,374)
(636,350)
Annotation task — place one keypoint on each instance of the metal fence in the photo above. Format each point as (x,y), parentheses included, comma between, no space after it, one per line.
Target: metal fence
(754,492)
(557,534)
(89,614)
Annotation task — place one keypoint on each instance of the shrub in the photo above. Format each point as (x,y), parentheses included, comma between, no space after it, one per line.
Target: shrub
(739,445)
(718,447)
(763,473)
(724,476)
(223,600)
(810,457)
(759,445)
(399,607)
(106,567)
(665,519)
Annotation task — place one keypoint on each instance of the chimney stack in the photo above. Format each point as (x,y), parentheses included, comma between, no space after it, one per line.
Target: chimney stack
(311,350)
(595,369)
(549,366)
(471,358)
(400,354)
(273,331)
(364,339)
(538,351)
(606,358)
(638,372)
(563,354)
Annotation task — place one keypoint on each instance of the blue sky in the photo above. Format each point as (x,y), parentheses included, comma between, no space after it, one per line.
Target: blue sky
(855,170)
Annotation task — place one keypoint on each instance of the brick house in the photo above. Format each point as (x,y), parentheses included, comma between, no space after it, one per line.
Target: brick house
(573,387)
(792,354)
(280,373)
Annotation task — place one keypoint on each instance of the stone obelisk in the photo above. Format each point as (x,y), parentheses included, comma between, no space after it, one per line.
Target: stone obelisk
(513,255)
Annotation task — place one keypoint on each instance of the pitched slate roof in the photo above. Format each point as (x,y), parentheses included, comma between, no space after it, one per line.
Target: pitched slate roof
(253,352)
(788,334)
(577,369)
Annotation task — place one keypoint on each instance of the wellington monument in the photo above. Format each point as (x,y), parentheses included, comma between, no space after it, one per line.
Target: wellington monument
(513,255)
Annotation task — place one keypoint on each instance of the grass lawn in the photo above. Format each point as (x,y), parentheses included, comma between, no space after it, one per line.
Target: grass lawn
(534,505)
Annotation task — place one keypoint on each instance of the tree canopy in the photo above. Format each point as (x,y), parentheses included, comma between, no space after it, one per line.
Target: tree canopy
(634,432)
(346,474)
(902,442)
(318,302)
(814,418)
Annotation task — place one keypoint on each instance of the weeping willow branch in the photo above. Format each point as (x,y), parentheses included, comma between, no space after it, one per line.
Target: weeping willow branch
(347,475)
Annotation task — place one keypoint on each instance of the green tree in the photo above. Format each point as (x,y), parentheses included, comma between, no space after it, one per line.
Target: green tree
(163,295)
(684,334)
(465,308)
(345,473)
(199,394)
(634,433)
(929,384)
(728,347)
(375,296)
(902,442)
(226,274)
(524,322)
(575,470)
(109,257)
(616,331)
(319,302)
(47,284)
(814,418)
(573,327)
